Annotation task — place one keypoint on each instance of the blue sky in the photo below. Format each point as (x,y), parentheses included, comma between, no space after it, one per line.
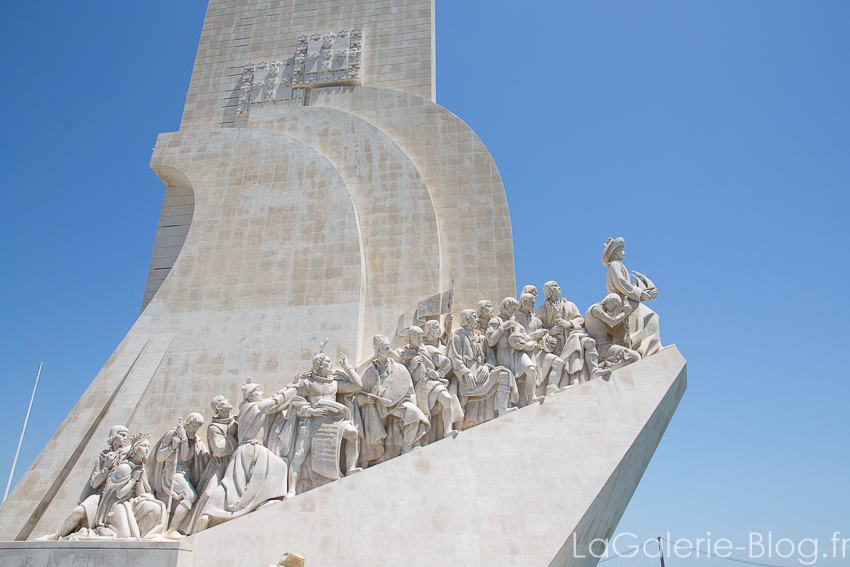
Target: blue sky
(713,136)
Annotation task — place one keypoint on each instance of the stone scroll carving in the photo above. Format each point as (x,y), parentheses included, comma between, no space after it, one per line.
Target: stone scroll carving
(331,422)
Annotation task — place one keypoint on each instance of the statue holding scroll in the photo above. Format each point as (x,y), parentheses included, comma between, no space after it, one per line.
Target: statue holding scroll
(319,425)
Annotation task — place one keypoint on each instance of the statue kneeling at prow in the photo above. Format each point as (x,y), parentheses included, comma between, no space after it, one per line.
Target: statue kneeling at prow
(599,320)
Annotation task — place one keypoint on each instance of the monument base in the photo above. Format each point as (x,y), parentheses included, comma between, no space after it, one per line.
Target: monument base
(102,553)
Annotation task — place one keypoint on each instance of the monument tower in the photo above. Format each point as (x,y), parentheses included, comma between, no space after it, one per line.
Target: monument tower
(315,189)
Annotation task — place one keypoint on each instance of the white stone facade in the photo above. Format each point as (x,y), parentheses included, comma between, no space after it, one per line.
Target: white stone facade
(298,215)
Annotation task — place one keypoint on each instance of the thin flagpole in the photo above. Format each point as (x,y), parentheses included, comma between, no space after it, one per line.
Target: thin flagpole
(23,430)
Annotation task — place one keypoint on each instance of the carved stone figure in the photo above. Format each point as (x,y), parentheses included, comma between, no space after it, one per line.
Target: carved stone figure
(484,388)
(574,346)
(319,425)
(119,444)
(180,460)
(222,440)
(391,398)
(441,361)
(83,514)
(484,312)
(599,320)
(642,333)
(433,334)
(531,289)
(127,509)
(549,365)
(513,348)
(428,370)
(254,474)
(437,335)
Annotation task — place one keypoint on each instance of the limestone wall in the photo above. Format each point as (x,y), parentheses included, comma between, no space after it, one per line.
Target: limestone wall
(398,42)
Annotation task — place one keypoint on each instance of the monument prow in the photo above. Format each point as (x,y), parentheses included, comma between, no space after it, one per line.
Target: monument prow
(315,189)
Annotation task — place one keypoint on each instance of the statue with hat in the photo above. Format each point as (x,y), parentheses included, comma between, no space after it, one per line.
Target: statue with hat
(640,331)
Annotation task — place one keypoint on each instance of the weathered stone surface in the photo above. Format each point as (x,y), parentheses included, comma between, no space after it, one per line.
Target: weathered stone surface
(101,553)
(398,47)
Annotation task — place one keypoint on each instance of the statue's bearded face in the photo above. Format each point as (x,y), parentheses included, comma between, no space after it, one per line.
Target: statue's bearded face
(225,405)
(415,339)
(322,365)
(383,350)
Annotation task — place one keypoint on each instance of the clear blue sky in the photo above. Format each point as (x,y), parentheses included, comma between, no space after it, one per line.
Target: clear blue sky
(713,136)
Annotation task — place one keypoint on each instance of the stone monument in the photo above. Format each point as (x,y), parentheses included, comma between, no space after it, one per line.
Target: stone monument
(319,200)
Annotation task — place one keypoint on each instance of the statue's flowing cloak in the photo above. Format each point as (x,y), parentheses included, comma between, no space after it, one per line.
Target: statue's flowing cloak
(254,474)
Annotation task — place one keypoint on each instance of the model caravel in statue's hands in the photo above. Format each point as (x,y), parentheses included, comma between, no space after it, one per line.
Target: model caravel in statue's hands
(330,422)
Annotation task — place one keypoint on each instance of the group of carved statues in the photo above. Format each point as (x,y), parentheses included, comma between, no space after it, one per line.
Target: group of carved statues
(335,421)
